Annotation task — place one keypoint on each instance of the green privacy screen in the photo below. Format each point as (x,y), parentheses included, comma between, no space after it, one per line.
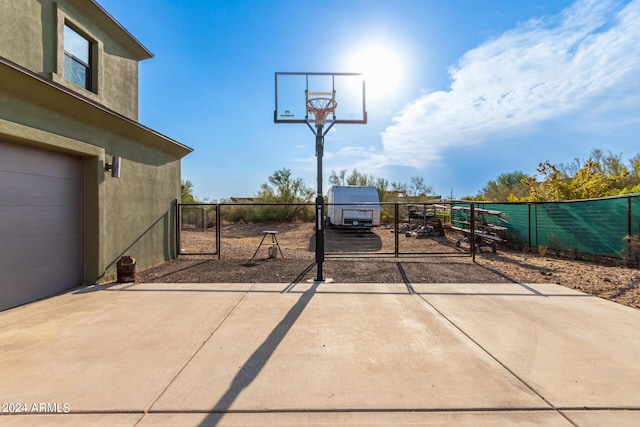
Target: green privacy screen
(595,227)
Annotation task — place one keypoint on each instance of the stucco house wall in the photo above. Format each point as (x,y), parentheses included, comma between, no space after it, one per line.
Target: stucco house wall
(130,215)
(32,35)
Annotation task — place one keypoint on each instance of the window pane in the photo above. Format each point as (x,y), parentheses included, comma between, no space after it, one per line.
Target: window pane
(75,72)
(76,45)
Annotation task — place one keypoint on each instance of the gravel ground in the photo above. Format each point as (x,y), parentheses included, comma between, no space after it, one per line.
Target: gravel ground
(440,262)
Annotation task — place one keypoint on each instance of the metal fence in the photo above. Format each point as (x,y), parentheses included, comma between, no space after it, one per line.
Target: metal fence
(592,227)
(235,230)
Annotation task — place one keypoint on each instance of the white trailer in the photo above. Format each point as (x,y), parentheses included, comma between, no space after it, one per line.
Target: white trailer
(344,211)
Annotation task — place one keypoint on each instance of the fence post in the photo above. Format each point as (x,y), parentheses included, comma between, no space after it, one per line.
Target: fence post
(535,214)
(178,223)
(529,226)
(218,221)
(629,216)
(396,214)
(472,233)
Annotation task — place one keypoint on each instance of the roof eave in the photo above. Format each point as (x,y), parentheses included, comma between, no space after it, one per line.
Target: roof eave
(147,134)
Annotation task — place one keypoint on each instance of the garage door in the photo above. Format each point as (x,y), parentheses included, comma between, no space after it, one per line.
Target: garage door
(40,223)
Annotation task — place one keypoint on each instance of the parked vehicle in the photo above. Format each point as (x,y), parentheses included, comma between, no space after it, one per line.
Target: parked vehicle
(353,206)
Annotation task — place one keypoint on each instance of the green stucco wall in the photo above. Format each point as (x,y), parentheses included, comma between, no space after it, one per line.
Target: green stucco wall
(21,33)
(131,215)
(31,35)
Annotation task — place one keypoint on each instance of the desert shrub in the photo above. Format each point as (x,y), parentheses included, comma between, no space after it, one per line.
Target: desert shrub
(631,251)
(386,214)
(250,214)
(514,240)
(283,213)
(553,244)
(238,214)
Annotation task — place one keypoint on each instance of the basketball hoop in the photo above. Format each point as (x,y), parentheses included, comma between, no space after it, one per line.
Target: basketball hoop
(321,108)
(320,95)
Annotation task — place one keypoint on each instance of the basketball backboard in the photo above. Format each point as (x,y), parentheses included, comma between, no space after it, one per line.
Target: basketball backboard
(293,90)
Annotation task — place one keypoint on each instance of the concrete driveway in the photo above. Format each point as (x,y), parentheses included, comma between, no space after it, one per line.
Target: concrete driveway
(320,354)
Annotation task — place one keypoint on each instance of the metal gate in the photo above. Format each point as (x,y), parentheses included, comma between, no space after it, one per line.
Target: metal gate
(235,230)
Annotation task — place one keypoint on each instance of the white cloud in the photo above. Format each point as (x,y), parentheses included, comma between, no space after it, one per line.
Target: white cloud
(582,64)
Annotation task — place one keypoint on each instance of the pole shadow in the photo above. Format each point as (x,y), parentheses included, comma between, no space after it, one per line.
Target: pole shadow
(258,360)
(299,278)
(405,279)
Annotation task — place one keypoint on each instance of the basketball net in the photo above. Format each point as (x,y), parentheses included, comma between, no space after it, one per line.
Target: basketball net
(321,108)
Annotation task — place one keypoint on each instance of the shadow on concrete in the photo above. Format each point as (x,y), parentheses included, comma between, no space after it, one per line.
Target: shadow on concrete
(257,361)
(299,278)
(405,279)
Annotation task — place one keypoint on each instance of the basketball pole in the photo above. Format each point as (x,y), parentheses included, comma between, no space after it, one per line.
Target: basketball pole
(320,103)
(319,205)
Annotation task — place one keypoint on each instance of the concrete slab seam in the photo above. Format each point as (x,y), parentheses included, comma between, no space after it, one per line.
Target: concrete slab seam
(366,410)
(195,353)
(591,410)
(530,387)
(532,290)
(258,359)
(298,279)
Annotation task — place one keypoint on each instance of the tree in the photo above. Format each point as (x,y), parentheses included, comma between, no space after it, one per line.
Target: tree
(419,188)
(338,178)
(187,195)
(633,184)
(283,188)
(362,179)
(624,178)
(354,178)
(358,178)
(634,164)
(570,169)
(599,176)
(610,164)
(588,182)
(382,187)
(507,187)
(399,187)
(417,185)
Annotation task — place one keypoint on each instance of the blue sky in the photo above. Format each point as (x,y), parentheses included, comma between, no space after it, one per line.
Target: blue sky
(474,88)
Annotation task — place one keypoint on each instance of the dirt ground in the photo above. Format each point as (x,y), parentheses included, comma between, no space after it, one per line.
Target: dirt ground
(435,259)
